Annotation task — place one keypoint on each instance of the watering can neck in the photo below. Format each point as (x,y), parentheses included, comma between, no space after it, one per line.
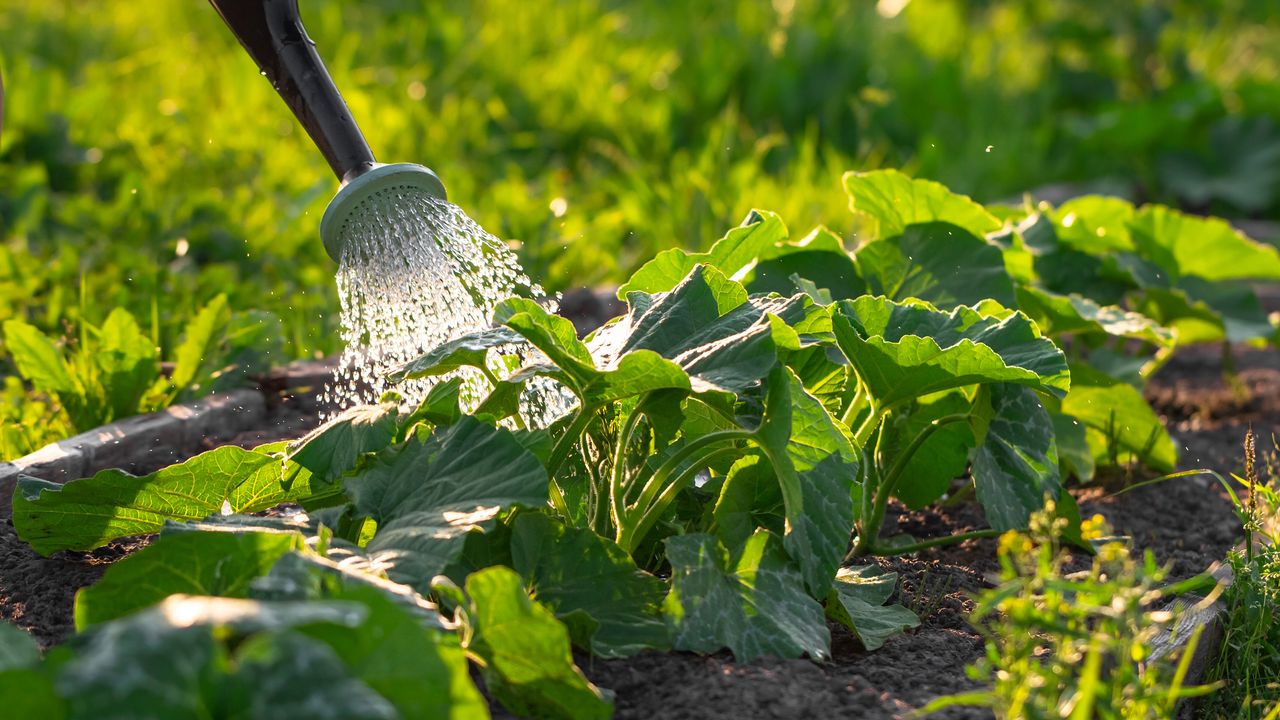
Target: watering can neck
(272,32)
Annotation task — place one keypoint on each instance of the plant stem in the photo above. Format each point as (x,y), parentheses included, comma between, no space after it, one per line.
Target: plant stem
(619,475)
(650,515)
(856,403)
(889,483)
(868,426)
(493,380)
(659,477)
(569,439)
(936,542)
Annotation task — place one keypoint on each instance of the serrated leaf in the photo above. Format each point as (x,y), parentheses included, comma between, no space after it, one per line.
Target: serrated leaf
(709,327)
(1118,419)
(895,201)
(816,465)
(575,570)
(857,602)
(191,563)
(333,448)
(1016,465)
(937,262)
(733,255)
(556,338)
(91,512)
(1074,313)
(903,351)
(470,350)
(826,271)
(528,664)
(1208,248)
(427,494)
(752,602)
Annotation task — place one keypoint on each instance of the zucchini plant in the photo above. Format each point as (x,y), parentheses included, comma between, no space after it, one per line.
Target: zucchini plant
(736,440)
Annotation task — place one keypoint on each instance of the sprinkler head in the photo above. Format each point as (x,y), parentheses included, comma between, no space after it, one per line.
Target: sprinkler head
(356,191)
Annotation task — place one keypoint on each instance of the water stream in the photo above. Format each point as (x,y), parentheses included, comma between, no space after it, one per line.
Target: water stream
(416,272)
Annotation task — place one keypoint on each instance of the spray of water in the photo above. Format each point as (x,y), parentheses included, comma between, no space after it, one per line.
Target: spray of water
(417,272)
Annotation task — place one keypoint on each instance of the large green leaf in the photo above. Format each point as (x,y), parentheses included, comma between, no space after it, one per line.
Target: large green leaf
(816,465)
(732,255)
(621,377)
(1074,313)
(708,326)
(1095,224)
(126,361)
(528,666)
(191,563)
(750,498)
(290,675)
(1207,248)
(427,494)
(1016,465)
(943,456)
(333,448)
(893,201)
(1200,311)
(419,669)
(1118,421)
(905,350)
(752,601)
(858,602)
(575,570)
(171,659)
(91,512)
(37,358)
(470,350)
(938,262)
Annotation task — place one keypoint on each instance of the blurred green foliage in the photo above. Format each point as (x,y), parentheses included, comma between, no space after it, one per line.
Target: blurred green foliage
(145,164)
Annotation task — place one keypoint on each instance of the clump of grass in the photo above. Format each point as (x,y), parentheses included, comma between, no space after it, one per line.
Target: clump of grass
(1075,645)
(1248,665)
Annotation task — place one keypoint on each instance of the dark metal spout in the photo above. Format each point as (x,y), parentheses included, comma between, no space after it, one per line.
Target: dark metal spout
(272,32)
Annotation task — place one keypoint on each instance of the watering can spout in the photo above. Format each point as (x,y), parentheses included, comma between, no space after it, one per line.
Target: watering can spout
(272,33)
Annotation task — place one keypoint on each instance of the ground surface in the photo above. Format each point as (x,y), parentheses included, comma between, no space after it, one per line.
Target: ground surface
(1188,523)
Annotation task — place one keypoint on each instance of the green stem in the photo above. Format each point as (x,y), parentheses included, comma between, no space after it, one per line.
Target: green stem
(649,517)
(616,489)
(868,426)
(856,403)
(493,380)
(659,478)
(883,550)
(566,442)
(888,485)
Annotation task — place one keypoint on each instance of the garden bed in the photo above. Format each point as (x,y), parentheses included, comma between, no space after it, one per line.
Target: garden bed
(1187,523)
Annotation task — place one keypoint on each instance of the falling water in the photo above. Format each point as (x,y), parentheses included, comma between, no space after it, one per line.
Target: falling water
(416,272)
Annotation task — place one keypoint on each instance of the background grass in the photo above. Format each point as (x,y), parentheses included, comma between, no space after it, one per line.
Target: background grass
(144,162)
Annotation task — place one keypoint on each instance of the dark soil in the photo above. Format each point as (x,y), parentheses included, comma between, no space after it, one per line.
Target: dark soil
(1188,523)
